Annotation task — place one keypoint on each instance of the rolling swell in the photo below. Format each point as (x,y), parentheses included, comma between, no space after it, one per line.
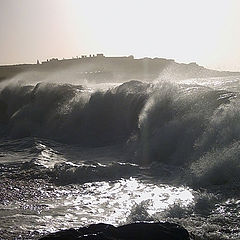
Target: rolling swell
(72,114)
(186,126)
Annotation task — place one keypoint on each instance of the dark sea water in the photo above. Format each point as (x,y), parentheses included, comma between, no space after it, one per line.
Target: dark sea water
(72,155)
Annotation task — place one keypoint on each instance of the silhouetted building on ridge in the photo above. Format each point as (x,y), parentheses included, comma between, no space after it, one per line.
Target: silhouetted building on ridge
(52,60)
(100,55)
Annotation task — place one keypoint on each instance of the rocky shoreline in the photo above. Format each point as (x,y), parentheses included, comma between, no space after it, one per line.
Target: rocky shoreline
(133,231)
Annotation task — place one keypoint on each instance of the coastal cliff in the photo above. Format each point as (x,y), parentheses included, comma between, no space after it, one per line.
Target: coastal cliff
(98,68)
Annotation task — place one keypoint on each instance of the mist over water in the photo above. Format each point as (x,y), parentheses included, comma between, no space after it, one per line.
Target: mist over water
(166,150)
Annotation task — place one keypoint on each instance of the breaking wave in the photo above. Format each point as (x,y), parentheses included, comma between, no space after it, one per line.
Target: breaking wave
(185,126)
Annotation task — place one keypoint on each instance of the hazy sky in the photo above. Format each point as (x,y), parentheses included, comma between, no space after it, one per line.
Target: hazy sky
(203,31)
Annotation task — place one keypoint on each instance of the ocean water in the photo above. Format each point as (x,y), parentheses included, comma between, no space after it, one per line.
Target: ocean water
(75,154)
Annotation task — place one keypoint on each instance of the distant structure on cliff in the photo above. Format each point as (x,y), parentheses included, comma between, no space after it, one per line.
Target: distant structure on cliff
(73,59)
(99,68)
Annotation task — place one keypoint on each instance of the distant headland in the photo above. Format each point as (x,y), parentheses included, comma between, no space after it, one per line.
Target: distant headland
(99,68)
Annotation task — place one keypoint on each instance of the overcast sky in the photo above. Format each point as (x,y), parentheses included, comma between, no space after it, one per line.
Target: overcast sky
(202,31)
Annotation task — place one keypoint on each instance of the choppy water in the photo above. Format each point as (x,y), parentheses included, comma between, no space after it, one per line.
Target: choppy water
(71,155)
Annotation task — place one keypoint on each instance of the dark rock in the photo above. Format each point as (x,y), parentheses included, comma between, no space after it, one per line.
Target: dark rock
(63,235)
(165,231)
(134,231)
